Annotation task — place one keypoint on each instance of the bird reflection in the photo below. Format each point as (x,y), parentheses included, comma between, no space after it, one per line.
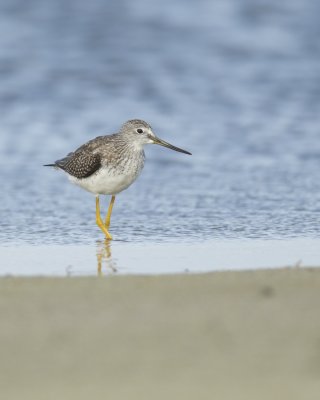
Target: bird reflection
(104,257)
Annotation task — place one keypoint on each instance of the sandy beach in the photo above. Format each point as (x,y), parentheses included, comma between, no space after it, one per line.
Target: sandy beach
(224,335)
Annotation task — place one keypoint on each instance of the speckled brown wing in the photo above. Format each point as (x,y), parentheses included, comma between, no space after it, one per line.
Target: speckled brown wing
(80,164)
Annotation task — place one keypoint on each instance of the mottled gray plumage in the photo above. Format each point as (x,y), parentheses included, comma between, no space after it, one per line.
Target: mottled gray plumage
(80,164)
(103,150)
(109,164)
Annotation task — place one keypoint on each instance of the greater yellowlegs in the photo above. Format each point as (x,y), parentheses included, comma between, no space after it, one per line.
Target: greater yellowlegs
(107,165)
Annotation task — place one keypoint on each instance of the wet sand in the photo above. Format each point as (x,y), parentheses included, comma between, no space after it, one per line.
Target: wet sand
(223,335)
(156,258)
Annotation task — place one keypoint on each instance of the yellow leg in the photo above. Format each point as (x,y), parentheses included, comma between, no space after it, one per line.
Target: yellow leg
(108,217)
(99,220)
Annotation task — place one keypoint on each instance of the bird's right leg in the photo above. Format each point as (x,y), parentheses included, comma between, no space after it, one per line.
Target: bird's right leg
(99,220)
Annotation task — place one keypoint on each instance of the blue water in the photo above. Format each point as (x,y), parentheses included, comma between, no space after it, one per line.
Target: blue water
(236,83)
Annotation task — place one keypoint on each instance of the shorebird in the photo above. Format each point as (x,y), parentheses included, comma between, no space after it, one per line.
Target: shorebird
(109,164)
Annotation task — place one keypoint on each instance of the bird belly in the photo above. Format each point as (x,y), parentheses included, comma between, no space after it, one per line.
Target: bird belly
(104,182)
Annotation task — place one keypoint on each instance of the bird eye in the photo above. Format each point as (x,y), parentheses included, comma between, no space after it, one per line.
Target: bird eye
(140,130)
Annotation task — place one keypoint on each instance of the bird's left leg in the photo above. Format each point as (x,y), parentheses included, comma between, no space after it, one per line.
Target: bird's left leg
(108,217)
(99,220)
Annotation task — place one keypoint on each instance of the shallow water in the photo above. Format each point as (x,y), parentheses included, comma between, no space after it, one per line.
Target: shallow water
(236,83)
(157,258)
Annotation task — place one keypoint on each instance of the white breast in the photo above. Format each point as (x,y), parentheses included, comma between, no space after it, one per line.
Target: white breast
(106,182)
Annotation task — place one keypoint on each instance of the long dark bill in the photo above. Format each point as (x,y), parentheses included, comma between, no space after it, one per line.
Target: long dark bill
(170,146)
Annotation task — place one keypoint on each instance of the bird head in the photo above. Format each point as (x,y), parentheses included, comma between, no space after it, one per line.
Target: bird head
(142,134)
